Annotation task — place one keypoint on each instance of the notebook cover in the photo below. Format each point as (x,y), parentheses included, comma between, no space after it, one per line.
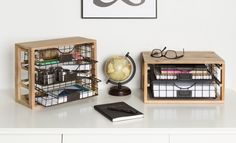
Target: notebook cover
(113,115)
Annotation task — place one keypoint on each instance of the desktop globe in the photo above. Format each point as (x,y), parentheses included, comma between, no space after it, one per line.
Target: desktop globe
(120,70)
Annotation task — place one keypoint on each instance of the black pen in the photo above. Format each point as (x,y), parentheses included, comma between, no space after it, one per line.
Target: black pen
(122,110)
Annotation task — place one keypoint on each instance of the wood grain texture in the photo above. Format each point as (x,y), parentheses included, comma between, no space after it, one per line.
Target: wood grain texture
(94,56)
(32,78)
(17,73)
(44,44)
(190,57)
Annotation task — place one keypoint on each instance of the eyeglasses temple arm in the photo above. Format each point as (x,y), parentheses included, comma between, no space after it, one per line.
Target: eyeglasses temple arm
(163,49)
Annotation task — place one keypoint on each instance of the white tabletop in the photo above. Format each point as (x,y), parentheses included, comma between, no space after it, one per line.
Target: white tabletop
(80,114)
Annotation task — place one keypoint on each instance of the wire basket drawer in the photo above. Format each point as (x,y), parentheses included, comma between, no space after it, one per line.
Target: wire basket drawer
(63,95)
(184,90)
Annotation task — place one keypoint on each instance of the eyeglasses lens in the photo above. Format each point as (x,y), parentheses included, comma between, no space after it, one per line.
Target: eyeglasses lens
(156,53)
(171,54)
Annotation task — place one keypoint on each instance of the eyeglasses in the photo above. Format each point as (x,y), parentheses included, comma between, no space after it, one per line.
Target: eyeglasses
(169,54)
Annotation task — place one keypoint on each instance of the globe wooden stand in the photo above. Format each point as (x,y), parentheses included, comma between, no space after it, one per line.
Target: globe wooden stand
(119,90)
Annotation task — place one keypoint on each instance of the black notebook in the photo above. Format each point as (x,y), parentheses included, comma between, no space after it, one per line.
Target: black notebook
(118,111)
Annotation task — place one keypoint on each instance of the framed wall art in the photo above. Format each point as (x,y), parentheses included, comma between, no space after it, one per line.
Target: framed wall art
(119,9)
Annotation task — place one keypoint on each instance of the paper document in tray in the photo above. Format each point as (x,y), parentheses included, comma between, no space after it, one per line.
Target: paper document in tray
(80,67)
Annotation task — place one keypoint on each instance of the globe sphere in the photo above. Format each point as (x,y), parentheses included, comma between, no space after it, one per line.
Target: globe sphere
(118,68)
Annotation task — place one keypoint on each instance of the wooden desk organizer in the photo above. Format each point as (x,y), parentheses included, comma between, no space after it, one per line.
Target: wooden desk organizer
(52,72)
(210,59)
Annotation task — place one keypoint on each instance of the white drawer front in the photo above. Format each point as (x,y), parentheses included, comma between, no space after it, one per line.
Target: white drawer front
(207,138)
(116,138)
(29,138)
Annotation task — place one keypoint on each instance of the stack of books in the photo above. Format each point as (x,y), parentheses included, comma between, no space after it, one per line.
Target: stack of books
(178,71)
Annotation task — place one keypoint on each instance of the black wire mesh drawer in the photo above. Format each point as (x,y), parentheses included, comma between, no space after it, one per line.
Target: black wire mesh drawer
(66,94)
(200,89)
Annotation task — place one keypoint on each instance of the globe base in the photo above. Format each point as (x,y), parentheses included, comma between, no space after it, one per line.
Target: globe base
(119,91)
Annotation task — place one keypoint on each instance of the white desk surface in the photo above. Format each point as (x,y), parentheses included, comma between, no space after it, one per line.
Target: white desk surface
(80,114)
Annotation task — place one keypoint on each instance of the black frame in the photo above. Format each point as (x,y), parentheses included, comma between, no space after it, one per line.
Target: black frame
(82,15)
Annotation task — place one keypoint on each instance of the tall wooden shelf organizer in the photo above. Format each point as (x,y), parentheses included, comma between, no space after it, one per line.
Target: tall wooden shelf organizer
(194,57)
(31,86)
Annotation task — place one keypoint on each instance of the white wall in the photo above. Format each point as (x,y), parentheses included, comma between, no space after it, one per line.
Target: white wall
(188,24)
